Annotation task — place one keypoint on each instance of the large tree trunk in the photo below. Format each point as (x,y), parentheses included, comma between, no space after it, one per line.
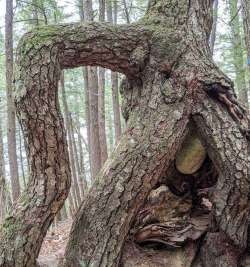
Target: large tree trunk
(178,87)
(139,200)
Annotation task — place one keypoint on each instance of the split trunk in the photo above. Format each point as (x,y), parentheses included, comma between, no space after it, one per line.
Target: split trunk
(141,210)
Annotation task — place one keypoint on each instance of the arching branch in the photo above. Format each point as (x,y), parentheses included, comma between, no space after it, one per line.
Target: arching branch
(41,55)
(121,48)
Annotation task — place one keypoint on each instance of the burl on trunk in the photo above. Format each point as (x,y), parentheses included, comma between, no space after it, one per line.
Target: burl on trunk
(148,206)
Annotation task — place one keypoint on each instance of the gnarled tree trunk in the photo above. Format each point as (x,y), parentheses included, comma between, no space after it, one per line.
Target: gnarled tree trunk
(139,200)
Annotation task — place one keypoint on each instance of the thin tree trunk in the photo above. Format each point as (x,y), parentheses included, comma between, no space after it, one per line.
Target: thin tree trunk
(87,113)
(91,101)
(116,106)
(82,171)
(35,12)
(95,148)
(64,212)
(238,58)
(86,92)
(101,97)
(2,199)
(76,160)
(214,28)
(111,130)
(112,18)
(246,22)
(15,185)
(95,151)
(3,193)
(102,123)
(126,11)
(72,207)
(75,186)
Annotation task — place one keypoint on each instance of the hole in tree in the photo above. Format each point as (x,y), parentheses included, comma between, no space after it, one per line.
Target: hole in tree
(177,211)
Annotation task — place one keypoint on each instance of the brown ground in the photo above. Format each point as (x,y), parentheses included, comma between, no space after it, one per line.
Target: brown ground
(54,245)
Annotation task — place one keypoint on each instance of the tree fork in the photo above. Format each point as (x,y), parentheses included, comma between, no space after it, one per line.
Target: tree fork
(168,65)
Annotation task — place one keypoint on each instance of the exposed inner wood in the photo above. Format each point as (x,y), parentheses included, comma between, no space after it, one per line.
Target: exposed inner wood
(174,219)
(191,155)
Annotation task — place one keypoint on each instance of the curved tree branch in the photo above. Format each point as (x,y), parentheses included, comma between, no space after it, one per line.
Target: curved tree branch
(123,48)
(41,55)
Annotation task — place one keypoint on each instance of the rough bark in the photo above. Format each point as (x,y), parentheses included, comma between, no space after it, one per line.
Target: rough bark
(172,83)
(21,156)
(42,54)
(11,134)
(38,111)
(176,85)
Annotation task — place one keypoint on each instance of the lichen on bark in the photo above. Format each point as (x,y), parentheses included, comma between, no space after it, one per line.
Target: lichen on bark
(171,81)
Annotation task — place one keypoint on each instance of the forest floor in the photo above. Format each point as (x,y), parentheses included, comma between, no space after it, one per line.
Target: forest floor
(54,245)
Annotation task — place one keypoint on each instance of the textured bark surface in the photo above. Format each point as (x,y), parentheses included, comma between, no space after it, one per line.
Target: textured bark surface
(172,83)
(38,112)
(173,86)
